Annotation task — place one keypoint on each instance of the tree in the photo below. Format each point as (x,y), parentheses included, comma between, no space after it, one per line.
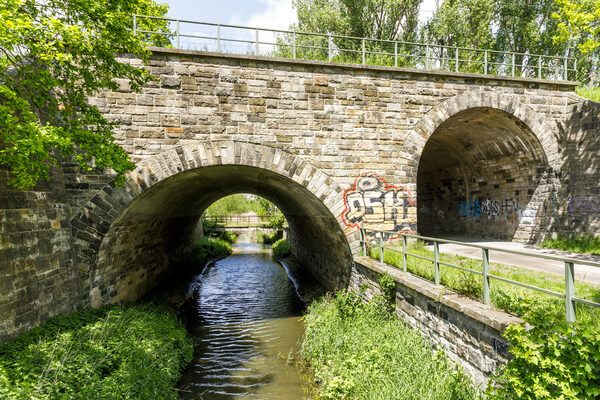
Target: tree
(518,26)
(375,19)
(579,27)
(53,55)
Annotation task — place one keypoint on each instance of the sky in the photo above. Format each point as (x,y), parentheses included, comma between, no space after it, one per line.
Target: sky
(274,14)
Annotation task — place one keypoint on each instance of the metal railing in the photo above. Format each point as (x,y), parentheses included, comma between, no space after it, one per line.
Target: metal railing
(224,38)
(568,295)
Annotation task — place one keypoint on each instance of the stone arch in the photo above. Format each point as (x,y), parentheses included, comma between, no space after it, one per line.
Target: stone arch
(472,134)
(511,104)
(108,214)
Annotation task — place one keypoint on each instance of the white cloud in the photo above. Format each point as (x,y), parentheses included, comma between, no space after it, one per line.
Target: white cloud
(276,14)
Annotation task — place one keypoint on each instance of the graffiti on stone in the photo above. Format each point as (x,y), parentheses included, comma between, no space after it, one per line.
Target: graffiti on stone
(373,204)
(584,205)
(488,208)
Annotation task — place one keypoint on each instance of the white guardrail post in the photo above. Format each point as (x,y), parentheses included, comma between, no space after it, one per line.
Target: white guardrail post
(404,256)
(381,246)
(485,263)
(436,261)
(570,290)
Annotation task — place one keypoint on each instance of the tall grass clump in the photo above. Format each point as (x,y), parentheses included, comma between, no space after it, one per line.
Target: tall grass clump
(579,244)
(209,248)
(360,350)
(281,248)
(592,93)
(134,352)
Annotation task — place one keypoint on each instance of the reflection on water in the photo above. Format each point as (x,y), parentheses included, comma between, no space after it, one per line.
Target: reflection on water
(247,322)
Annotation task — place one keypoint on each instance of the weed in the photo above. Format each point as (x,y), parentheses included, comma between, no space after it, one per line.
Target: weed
(281,248)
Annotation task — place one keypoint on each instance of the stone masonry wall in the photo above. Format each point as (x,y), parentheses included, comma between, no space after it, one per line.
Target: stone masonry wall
(360,130)
(469,332)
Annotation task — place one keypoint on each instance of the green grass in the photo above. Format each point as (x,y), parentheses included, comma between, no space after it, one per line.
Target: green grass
(504,296)
(134,352)
(209,248)
(592,93)
(362,351)
(584,244)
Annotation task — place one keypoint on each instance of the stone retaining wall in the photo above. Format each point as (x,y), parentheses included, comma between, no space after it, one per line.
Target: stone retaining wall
(469,332)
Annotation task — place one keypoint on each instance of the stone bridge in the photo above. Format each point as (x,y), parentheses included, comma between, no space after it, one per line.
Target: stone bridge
(335,146)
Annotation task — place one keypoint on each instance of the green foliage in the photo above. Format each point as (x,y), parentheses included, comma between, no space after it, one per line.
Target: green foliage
(266,238)
(387,284)
(227,236)
(504,296)
(579,244)
(281,248)
(134,352)
(362,351)
(238,203)
(209,248)
(550,360)
(592,93)
(275,221)
(53,56)
(578,24)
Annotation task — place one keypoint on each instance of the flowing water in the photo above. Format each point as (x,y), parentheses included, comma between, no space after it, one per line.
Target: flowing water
(246,322)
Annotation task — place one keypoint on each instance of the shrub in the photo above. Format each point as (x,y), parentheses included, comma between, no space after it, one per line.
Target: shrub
(269,238)
(552,359)
(134,352)
(362,351)
(387,284)
(281,248)
(275,221)
(227,236)
(209,248)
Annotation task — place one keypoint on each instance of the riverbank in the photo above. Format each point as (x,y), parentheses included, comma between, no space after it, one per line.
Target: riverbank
(134,352)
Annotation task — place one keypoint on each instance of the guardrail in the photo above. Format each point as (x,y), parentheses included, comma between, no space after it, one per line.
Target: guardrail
(235,39)
(238,220)
(568,295)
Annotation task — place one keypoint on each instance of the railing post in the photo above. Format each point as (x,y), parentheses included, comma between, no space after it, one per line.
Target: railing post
(485,263)
(456,59)
(363,239)
(570,290)
(427,57)
(436,262)
(363,51)
(513,65)
(539,67)
(566,69)
(404,256)
(329,54)
(219,38)
(575,67)
(256,53)
(294,44)
(134,25)
(381,246)
(485,62)
(178,34)
(396,54)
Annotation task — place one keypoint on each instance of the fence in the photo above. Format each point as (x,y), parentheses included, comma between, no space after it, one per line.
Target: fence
(568,295)
(223,38)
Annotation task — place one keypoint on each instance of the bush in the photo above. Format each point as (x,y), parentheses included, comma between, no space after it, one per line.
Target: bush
(134,352)
(362,351)
(227,236)
(276,221)
(281,248)
(209,248)
(269,238)
(552,359)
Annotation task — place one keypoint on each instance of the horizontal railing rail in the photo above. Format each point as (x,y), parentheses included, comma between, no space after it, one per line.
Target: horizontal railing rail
(239,220)
(236,39)
(569,263)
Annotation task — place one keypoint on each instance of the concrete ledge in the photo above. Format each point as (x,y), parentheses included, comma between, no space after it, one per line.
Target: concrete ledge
(487,315)
(468,331)
(423,74)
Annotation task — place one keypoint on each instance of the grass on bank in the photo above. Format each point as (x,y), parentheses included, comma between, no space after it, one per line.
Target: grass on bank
(208,249)
(133,352)
(362,351)
(504,296)
(579,244)
(592,93)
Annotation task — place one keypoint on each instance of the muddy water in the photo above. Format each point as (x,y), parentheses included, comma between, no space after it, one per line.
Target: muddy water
(246,322)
